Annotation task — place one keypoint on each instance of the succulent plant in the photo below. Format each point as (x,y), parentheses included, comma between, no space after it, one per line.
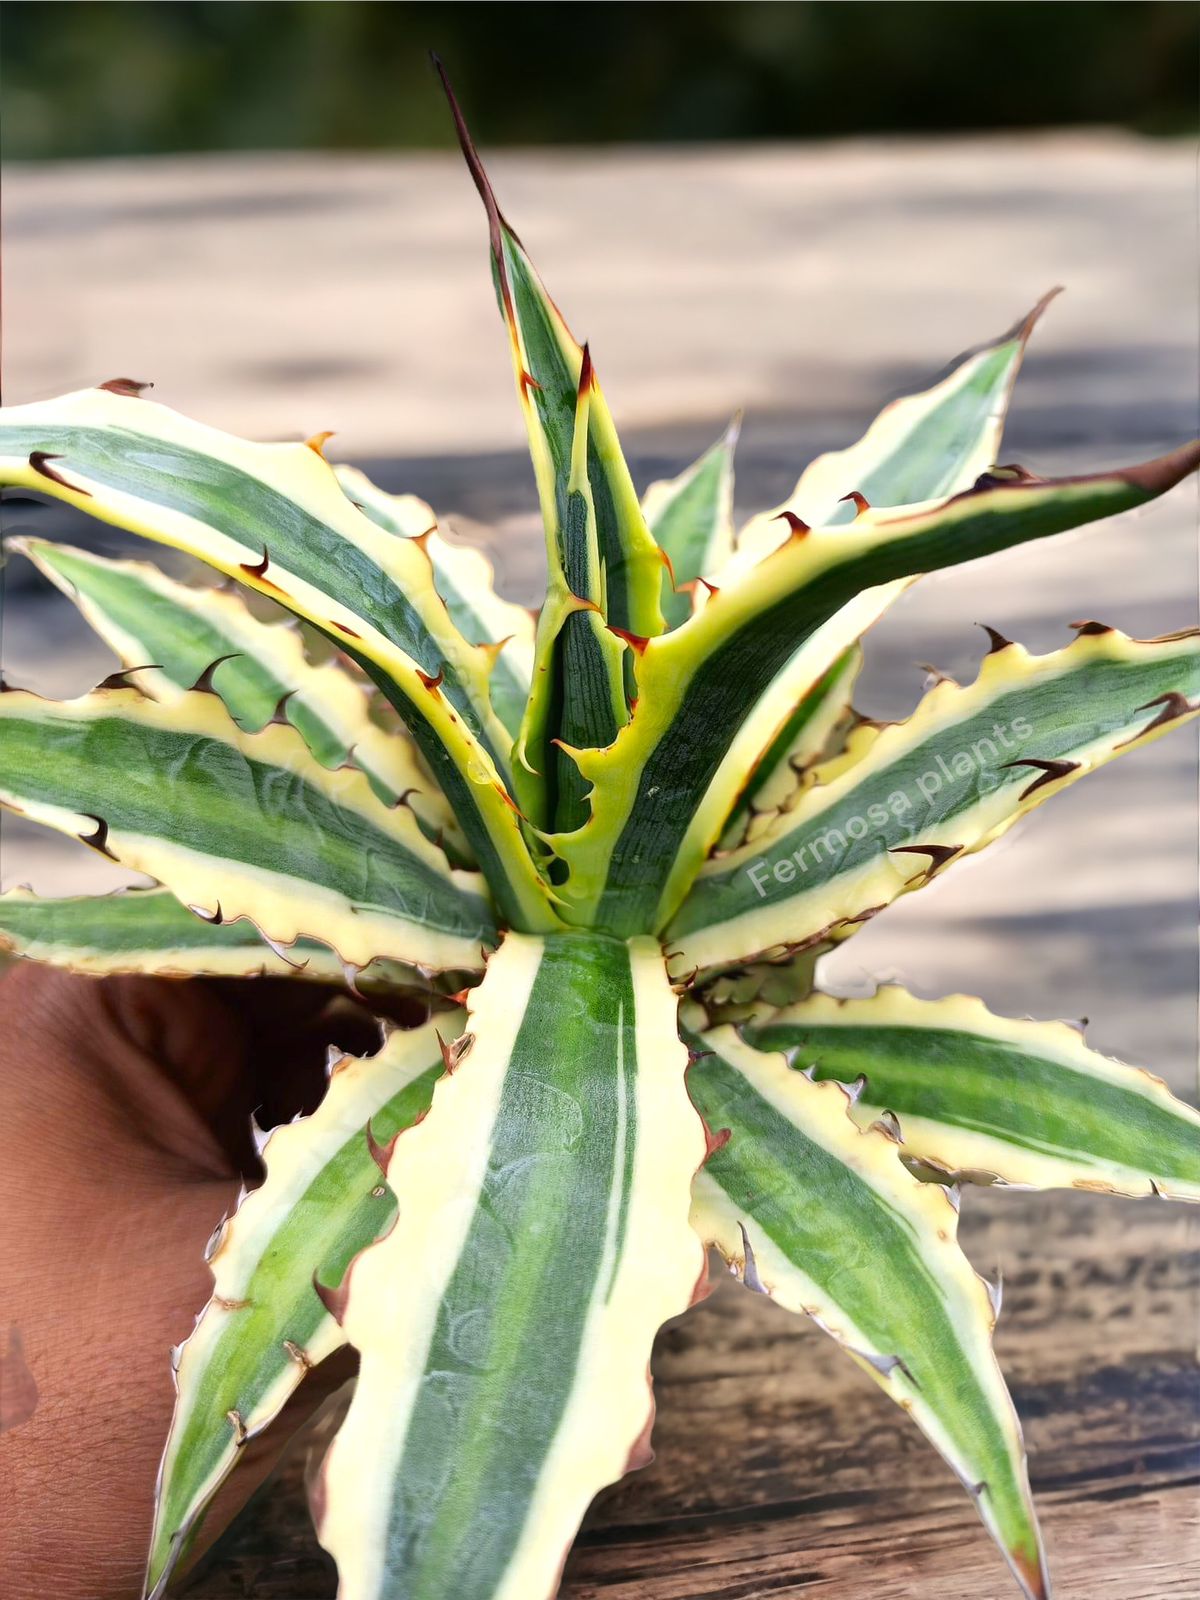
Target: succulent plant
(606,852)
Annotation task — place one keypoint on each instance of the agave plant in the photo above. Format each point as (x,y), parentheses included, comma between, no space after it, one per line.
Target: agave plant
(607,852)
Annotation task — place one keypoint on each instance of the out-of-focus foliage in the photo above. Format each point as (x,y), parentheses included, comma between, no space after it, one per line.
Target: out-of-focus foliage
(107,78)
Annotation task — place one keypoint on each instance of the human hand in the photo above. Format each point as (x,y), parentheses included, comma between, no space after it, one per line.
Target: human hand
(125,1108)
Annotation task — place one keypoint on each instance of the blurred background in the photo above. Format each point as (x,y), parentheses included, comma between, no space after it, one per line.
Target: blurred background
(129,79)
(797,209)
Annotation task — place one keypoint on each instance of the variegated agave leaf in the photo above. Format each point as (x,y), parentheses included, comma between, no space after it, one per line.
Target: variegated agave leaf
(149,930)
(988,1099)
(170,636)
(578,699)
(797,1179)
(549,368)
(926,446)
(251,825)
(605,569)
(505,1323)
(266,1326)
(928,791)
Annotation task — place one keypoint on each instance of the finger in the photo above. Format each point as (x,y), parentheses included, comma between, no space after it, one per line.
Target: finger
(98,1296)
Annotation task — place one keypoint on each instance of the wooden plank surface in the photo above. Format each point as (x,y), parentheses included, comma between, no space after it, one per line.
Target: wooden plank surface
(285,295)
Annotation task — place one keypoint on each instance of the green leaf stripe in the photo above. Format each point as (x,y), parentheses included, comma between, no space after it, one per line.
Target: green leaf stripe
(543,1237)
(837,1228)
(988,1098)
(263,673)
(962,770)
(321,1202)
(244,824)
(799,743)
(463,579)
(147,930)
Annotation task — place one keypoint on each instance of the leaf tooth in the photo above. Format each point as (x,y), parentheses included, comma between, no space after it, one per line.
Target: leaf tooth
(998,640)
(636,641)
(456,1051)
(279,949)
(995,1293)
(256,569)
(797,525)
(587,374)
(1089,628)
(854,1090)
(939,855)
(381,1154)
(1174,705)
(204,683)
(885,1365)
(279,717)
(888,1125)
(38,460)
(1051,771)
(299,1355)
(334,1299)
(131,388)
(98,840)
(1002,477)
(123,678)
(749,1266)
(491,651)
(214,1239)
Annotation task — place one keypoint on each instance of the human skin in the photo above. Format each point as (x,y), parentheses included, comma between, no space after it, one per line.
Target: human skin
(125,1108)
